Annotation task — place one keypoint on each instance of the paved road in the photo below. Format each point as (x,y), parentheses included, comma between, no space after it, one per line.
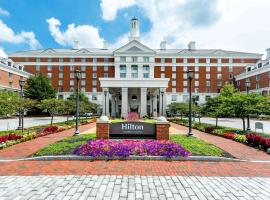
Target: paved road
(12,124)
(133,187)
(236,123)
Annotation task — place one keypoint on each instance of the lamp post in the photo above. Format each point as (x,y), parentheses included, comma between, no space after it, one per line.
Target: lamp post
(162,93)
(190,74)
(78,76)
(21,112)
(248,87)
(105,106)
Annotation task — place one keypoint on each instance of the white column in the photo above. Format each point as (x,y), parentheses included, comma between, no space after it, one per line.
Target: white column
(124,108)
(113,106)
(155,105)
(143,102)
(107,98)
(162,102)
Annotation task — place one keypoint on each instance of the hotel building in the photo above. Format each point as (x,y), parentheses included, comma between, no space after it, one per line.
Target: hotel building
(135,77)
(10,74)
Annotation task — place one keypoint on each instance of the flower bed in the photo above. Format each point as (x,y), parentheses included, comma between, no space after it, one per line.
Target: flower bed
(261,141)
(125,148)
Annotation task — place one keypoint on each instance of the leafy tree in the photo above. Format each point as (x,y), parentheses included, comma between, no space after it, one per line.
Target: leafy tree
(52,106)
(39,88)
(8,102)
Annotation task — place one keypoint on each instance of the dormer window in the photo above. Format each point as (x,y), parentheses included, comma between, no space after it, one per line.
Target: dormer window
(249,69)
(259,65)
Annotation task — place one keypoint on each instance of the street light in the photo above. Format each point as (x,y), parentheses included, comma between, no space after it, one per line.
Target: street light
(248,87)
(21,112)
(105,94)
(77,76)
(190,74)
(162,93)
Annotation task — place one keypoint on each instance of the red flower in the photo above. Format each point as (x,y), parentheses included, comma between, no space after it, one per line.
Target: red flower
(229,135)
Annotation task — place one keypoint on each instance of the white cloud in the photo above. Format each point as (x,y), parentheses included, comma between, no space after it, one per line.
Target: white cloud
(86,35)
(2,53)
(4,12)
(9,36)
(227,24)
(110,7)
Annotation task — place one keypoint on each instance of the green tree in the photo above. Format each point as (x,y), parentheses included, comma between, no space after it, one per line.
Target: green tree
(8,103)
(52,106)
(39,88)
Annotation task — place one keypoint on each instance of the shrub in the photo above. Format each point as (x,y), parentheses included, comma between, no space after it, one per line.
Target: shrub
(240,138)
(50,129)
(8,137)
(258,141)
(209,129)
(218,132)
(229,135)
(132,116)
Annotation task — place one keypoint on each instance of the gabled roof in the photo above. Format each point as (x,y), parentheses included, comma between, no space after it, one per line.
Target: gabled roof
(134,46)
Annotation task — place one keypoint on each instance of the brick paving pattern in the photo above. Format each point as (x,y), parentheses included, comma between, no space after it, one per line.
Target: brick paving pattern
(26,149)
(133,187)
(135,167)
(240,151)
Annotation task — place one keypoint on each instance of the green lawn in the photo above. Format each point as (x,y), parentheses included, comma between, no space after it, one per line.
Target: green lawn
(66,146)
(192,144)
(198,146)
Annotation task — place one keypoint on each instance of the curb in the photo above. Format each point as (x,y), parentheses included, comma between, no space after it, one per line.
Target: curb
(89,158)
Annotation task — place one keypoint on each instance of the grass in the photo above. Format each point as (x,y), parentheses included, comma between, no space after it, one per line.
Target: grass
(66,146)
(192,144)
(197,146)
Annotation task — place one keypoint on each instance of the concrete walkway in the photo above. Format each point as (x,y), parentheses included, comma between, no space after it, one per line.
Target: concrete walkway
(239,150)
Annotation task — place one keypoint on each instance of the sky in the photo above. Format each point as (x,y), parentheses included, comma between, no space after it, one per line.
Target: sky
(241,25)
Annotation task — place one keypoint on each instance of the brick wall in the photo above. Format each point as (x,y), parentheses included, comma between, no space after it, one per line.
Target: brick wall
(102,130)
(162,130)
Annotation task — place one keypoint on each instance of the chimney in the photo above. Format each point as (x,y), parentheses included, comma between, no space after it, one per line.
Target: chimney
(267,53)
(163,45)
(76,44)
(105,45)
(192,45)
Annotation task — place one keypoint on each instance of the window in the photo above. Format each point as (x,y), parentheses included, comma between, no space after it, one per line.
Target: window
(230,69)
(134,59)
(196,83)
(106,75)
(185,68)
(185,76)
(122,71)
(60,82)
(173,90)
(122,59)
(61,60)
(174,75)
(94,82)
(162,60)
(83,75)
(37,67)
(94,75)
(196,98)
(219,83)
(60,75)
(134,71)
(173,83)
(174,98)
(219,69)
(146,68)
(230,76)
(37,59)
(259,65)
(71,89)
(219,76)
(207,76)
(208,68)
(145,75)
(94,60)
(185,91)
(83,68)
(82,89)
(83,59)
(106,68)
(145,59)
(174,68)
(71,75)
(71,68)
(208,83)
(162,68)
(185,83)
(196,68)
(257,86)
(196,76)
(49,60)
(94,68)
(49,67)
(94,97)
(258,77)
(71,60)
(208,90)
(94,89)
(10,75)
(162,75)
(196,90)
(106,60)
(83,82)
(174,60)
(60,68)
(49,75)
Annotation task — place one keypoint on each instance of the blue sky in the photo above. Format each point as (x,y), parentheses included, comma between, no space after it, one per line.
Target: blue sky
(222,24)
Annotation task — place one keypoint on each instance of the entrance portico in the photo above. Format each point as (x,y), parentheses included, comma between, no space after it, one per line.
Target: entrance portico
(131,95)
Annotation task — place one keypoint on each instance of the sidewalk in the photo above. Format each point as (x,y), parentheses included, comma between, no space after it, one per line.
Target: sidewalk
(26,149)
(239,150)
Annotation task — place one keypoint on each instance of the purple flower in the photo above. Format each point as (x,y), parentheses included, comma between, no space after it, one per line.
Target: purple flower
(125,148)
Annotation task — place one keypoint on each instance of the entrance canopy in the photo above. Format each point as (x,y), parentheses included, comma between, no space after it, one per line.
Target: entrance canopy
(134,83)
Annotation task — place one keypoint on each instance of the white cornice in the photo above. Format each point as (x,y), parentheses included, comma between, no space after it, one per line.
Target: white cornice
(253,73)
(14,71)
